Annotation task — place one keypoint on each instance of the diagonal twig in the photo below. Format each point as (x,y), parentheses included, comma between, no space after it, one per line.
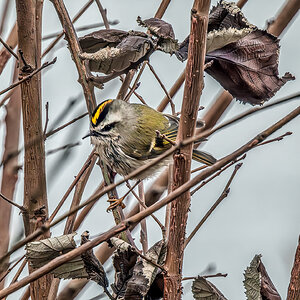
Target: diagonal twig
(46,64)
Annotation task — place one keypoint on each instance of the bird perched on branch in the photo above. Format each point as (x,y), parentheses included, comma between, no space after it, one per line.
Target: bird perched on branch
(128,136)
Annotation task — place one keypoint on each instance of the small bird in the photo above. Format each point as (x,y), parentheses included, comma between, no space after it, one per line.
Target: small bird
(129,135)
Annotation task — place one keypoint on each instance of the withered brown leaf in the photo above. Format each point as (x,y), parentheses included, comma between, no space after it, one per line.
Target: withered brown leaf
(204,290)
(257,283)
(248,68)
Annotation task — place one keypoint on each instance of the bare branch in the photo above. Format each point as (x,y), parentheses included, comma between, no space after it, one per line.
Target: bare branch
(223,195)
(103,13)
(46,64)
(9,49)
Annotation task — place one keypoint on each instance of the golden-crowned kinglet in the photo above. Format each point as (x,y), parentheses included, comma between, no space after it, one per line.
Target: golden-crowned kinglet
(125,136)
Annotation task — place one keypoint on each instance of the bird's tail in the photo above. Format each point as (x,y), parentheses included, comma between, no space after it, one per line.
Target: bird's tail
(203,157)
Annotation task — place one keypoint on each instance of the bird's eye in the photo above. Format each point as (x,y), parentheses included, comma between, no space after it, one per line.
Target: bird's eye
(108,127)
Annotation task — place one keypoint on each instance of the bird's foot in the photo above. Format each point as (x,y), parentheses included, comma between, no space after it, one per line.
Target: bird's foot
(115,203)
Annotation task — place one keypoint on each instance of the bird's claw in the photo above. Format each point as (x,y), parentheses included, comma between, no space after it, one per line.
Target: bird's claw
(115,203)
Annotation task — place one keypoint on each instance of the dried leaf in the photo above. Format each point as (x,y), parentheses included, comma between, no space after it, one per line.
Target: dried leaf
(124,260)
(92,265)
(100,39)
(226,25)
(41,252)
(145,272)
(226,15)
(205,290)
(163,31)
(248,69)
(257,283)
(128,54)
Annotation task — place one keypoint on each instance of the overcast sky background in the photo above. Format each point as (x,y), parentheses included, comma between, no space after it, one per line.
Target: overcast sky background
(261,213)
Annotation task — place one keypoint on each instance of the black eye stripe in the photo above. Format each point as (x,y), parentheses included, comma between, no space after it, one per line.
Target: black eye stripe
(108,127)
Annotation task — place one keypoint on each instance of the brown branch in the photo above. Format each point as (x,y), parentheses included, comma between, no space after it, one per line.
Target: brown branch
(223,195)
(143,224)
(294,286)
(11,168)
(4,15)
(277,139)
(75,49)
(103,13)
(162,8)
(135,84)
(20,207)
(80,28)
(284,17)
(20,270)
(163,87)
(11,268)
(9,49)
(60,35)
(125,84)
(142,203)
(174,89)
(205,276)
(65,125)
(47,120)
(67,146)
(46,64)
(182,161)
(29,22)
(12,42)
(204,182)
(75,181)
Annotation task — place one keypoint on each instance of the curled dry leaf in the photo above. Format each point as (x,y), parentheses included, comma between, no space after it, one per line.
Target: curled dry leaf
(92,265)
(100,39)
(144,272)
(163,31)
(245,59)
(257,283)
(204,290)
(248,68)
(39,253)
(128,54)
(124,259)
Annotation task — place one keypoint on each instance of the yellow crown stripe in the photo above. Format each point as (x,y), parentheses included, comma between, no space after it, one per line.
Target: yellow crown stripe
(99,110)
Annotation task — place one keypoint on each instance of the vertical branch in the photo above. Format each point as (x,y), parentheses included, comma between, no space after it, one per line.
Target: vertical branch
(29,15)
(10,168)
(143,236)
(182,161)
(294,286)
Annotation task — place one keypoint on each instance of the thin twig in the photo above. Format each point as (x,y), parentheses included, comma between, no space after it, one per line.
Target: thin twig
(18,273)
(9,49)
(46,64)
(47,119)
(143,231)
(205,276)
(163,87)
(103,13)
(125,84)
(78,15)
(135,84)
(144,205)
(162,136)
(276,139)
(162,8)
(65,147)
(64,198)
(223,195)
(80,28)
(21,208)
(11,268)
(204,182)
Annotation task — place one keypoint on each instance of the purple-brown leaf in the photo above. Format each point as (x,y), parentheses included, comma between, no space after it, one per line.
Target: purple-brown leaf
(248,68)
(102,38)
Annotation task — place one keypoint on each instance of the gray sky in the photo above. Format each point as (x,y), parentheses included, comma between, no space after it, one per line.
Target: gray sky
(261,213)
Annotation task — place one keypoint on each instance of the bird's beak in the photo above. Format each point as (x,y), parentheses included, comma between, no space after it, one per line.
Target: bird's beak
(91,133)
